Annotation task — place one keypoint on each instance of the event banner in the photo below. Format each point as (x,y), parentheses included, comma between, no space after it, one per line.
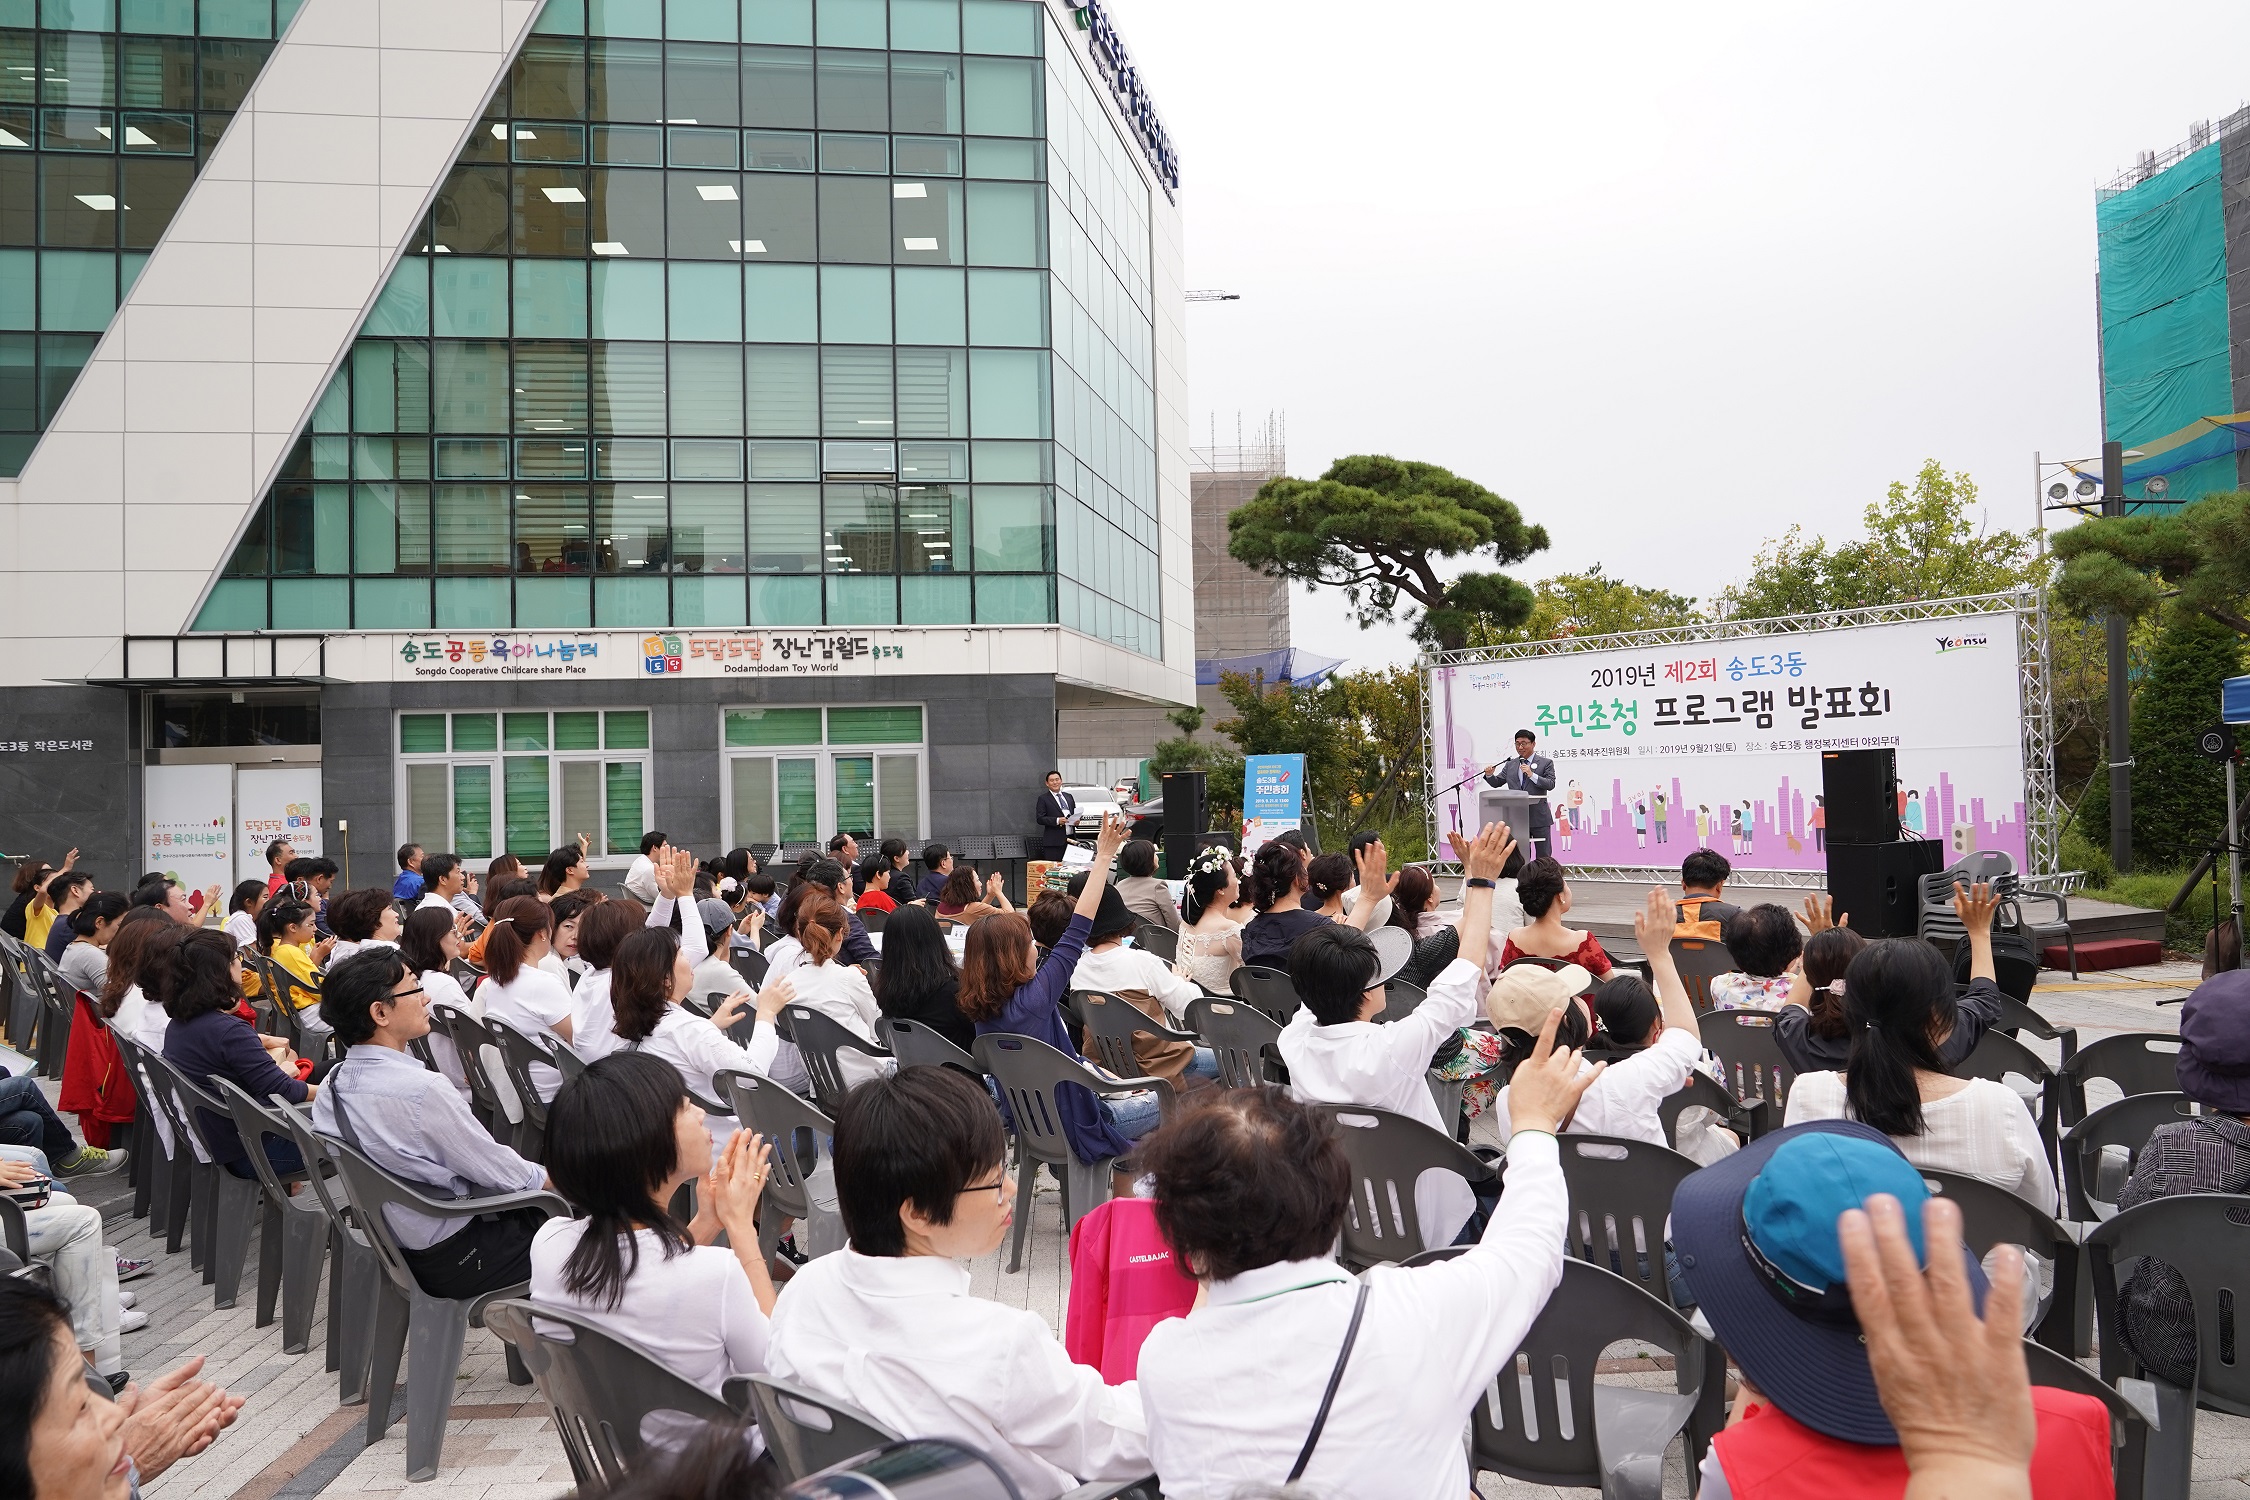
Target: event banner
(1273,798)
(189,827)
(282,803)
(1660,750)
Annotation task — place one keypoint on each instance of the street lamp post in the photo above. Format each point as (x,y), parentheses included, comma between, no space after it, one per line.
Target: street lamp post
(2120,722)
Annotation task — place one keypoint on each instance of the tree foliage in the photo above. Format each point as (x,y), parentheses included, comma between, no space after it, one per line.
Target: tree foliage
(1920,544)
(1222,779)
(2199,554)
(1361,736)
(1379,528)
(1588,603)
(2179,798)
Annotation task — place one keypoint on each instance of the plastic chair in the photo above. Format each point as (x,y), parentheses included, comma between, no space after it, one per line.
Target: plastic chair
(1998,1056)
(1028,1072)
(1388,1154)
(1579,1432)
(611,1398)
(1401,998)
(428,1331)
(2017,1018)
(1994,1216)
(498,1112)
(517,1054)
(751,966)
(2132,1411)
(1701,960)
(155,1165)
(917,1046)
(24,998)
(225,1205)
(2091,1178)
(803,1142)
(2138,1062)
(1747,1121)
(293,1232)
(806,1432)
(821,1040)
(1754,1068)
(58,1001)
(2205,1237)
(872,920)
(1112,1023)
(287,991)
(355,1276)
(1159,940)
(1268,990)
(1620,1193)
(1243,1037)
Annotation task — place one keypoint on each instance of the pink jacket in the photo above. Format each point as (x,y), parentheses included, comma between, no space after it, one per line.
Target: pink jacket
(1123,1282)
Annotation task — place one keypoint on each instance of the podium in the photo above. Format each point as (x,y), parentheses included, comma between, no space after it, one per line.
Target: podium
(1506,805)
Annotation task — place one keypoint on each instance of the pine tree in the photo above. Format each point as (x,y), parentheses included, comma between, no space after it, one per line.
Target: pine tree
(2179,798)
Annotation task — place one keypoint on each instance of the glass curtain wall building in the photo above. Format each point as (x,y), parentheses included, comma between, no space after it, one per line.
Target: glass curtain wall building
(747,314)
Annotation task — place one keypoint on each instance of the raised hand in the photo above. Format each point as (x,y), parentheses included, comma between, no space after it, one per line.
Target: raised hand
(1487,853)
(1975,905)
(779,991)
(1545,1089)
(737,1179)
(1819,913)
(1653,924)
(1111,839)
(1373,865)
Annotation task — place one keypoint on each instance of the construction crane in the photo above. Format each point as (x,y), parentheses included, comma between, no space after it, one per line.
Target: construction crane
(1211,296)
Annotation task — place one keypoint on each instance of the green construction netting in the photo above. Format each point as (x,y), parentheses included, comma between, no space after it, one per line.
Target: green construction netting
(2164,312)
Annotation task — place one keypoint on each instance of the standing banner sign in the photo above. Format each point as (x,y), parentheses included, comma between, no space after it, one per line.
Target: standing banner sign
(1660,750)
(1273,798)
(188,831)
(275,804)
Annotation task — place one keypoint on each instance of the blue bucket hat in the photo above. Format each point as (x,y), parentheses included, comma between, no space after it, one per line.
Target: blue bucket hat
(2214,1062)
(1756,1240)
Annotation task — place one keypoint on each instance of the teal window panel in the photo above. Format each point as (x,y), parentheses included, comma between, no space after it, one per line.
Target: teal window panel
(702,20)
(784,390)
(1008,307)
(333,411)
(628,300)
(129,271)
(235,604)
(285,11)
(562,18)
(311,604)
(928,599)
(706,301)
(79,15)
(237,18)
(159,17)
(1023,463)
(1008,393)
(708,601)
(1005,223)
(625,17)
(403,310)
(549,603)
(18,290)
(1010,27)
(785,601)
(1022,600)
(782,304)
(933,393)
(931,308)
(391,603)
(472,604)
(468,296)
(851,23)
(1001,96)
(989,156)
(926,25)
(550,299)
(628,602)
(855,304)
(77,289)
(788,22)
(863,600)
(1014,529)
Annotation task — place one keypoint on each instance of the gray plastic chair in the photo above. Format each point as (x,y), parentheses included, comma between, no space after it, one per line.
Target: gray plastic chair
(806,1432)
(1162,941)
(517,1053)
(226,1206)
(1747,1121)
(820,1039)
(427,1331)
(2092,1178)
(1620,1193)
(355,1276)
(160,1162)
(1742,1041)
(1028,1072)
(2206,1238)
(1388,1154)
(2138,1062)
(917,1046)
(803,1141)
(751,966)
(1401,998)
(1701,960)
(1266,989)
(872,920)
(24,998)
(58,1003)
(2132,1411)
(1999,1057)
(487,1102)
(1243,1038)
(1579,1432)
(612,1399)
(1112,1022)
(293,1231)
(1994,1216)
(2016,1018)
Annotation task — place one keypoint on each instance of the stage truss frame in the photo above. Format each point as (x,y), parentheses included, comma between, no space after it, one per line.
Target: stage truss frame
(2035,713)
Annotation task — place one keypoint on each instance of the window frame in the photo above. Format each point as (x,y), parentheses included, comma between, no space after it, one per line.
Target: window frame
(496,759)
(824,756)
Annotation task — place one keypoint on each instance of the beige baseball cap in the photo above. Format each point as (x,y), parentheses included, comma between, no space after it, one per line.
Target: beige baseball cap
(1524,993)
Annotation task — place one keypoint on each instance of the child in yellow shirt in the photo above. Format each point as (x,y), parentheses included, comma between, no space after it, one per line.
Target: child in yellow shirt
(285,935)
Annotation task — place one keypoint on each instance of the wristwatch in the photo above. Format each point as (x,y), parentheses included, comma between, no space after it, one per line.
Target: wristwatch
(1480,881)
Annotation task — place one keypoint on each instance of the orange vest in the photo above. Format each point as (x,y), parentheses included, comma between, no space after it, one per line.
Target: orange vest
(1770,1456)
(1697,927)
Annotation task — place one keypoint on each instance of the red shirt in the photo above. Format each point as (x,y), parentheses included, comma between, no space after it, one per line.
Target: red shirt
(275,882)
(1769,1455)
(1589,956)
(876,901)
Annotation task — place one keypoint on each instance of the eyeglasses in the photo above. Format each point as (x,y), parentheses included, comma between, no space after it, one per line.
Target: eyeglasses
(998,1189)
(397,995)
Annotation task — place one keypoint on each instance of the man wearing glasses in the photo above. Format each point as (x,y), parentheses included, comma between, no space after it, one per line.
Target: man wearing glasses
(414,1124)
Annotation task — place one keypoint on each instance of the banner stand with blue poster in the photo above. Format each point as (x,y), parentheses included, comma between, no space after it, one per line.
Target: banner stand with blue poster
(1273,798)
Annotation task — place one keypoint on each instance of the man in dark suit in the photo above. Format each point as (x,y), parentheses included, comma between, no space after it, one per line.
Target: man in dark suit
(1532,773)
(1055,810)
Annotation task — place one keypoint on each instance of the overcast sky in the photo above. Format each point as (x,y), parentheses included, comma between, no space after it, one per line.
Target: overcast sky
(1668,277)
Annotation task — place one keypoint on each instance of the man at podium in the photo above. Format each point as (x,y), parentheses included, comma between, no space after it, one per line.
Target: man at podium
(1533,773)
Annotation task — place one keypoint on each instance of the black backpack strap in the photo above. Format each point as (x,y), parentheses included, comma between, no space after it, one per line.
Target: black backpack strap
(1328,1397)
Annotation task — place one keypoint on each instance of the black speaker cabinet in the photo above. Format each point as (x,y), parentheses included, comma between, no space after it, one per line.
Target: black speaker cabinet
(1878,883)
(1186,815)
(1860,788)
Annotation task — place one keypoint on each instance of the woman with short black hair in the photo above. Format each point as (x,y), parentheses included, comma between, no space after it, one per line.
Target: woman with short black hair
(1544,895)
(362,919)
(918,981)
(1277,888)
(622,1139)
(85,963)
(199,984)
(564,871)
(649,978)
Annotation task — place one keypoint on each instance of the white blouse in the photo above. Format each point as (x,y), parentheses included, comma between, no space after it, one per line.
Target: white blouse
(699,1050)
(840,992)
(1983,1131)
(695,1311)
(532,1003)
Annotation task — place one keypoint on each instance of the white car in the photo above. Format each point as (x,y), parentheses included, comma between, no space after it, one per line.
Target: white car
(1093,802)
